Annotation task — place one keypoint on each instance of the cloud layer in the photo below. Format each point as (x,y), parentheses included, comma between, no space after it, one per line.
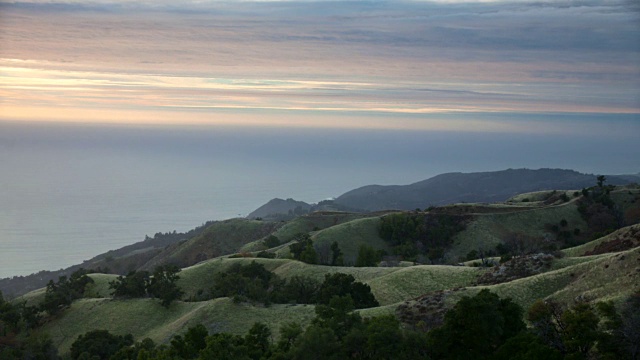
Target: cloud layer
(291,62)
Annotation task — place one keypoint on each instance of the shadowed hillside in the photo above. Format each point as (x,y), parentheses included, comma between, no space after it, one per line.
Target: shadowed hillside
(470,187)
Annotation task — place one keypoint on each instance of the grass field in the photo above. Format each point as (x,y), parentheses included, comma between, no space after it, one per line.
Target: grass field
(388,284)
(146,318)
(221,238)
(308,224)
(486,231)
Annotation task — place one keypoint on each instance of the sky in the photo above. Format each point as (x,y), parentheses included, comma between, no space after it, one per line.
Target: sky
(474,66)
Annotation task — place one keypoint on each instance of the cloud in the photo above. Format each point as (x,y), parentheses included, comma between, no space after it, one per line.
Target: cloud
(347,57)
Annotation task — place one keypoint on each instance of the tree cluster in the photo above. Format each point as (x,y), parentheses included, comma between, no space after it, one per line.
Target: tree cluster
(483,326)
(254,282)
(335,333)
(417,236)
(302,249)
(160,284)
(61,294)
(598,209)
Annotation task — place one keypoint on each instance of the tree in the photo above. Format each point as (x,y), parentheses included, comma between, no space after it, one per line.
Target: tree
(303,249)
(337,315)
(309,255)
(476,327)
(9,316)
(337,258)
(141,350)
(258,340)
(134,285)
(189,345)
(580,330)
(271,241)
(317,342)
(339,284)
(526,346)
(630,329)
(302,289)
(575,331)
(163,284)
(224,346)
(289,332)
(100,343)
(367,257)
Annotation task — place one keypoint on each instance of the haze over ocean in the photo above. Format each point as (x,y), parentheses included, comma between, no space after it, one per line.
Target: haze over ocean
(70,192)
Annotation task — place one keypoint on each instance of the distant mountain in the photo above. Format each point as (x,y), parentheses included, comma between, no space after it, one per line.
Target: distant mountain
(471,187)
(280,207)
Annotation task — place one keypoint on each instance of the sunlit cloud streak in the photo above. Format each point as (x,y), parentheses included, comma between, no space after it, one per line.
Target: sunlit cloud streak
(239,61)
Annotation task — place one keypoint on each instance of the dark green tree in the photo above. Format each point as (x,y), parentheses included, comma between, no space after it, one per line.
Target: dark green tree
(339,284)
(367,257)
(526,346)
(134,285)
(476,327)
(141,350)
(271,241)
(302,290)
(630,329)
(162,284)
(224,346)
(258,341)
(289,332)
(303,249)
(188,346)
(99,343)
(317,343)
(338,315)
(337,258)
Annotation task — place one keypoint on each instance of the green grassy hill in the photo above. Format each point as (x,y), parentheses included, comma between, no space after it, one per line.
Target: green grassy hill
(604,269)
(221,238)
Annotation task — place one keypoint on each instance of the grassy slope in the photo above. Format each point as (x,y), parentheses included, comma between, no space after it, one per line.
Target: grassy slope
(146,318)
(389,285)
(311,223)
(350,236)
(582,249)
(487,230)
(221,238)
(601,277)
(595,278)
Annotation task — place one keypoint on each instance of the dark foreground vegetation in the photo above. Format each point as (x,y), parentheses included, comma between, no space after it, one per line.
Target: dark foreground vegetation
(480,327)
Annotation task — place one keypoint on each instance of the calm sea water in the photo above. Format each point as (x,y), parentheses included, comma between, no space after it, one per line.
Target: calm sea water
(70,192)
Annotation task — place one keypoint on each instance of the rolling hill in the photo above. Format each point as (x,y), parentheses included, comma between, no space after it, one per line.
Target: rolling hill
(605,268)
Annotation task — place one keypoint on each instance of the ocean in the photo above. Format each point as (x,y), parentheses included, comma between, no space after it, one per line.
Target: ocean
(69,192)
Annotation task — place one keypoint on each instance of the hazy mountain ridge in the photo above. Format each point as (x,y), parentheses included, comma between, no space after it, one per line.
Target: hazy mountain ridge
(470,187)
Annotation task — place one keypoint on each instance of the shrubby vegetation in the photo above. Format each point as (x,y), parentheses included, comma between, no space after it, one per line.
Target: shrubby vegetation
(303,249)
(416,237)
(480,327)
(61,294)
(161,285)
(599,210)
(253,282)
(17,320)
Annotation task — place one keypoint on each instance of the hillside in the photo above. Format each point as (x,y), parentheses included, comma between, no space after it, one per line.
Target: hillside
(606,268)
(440,190)
(279,207)
(410,292)
(470,187)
